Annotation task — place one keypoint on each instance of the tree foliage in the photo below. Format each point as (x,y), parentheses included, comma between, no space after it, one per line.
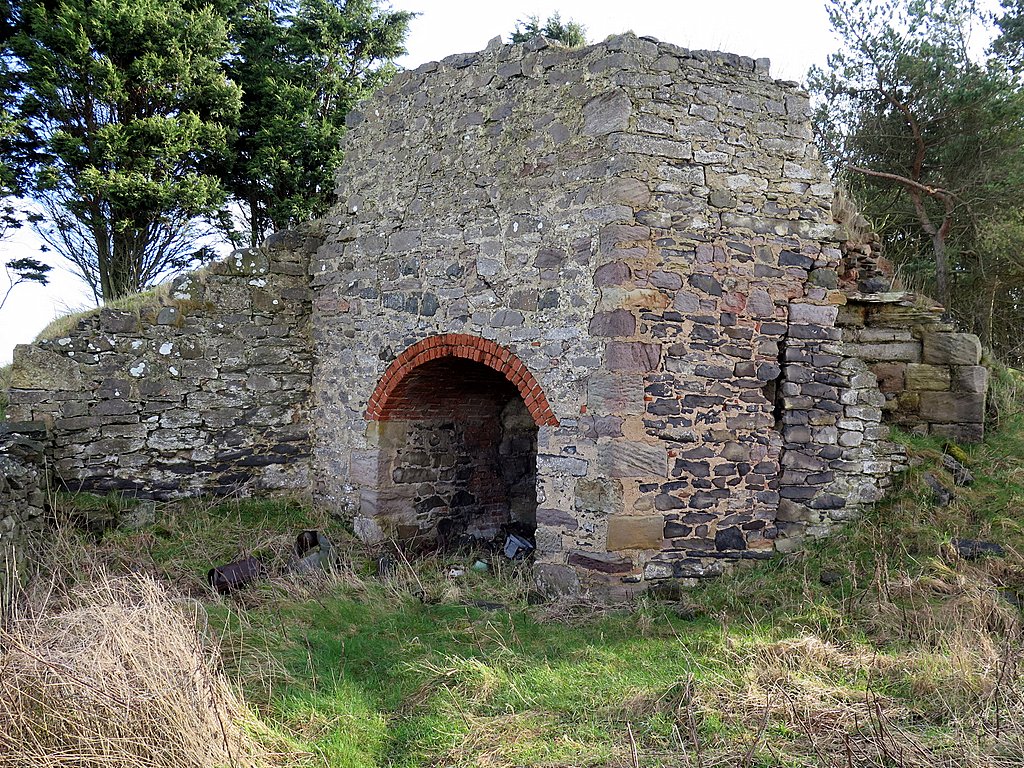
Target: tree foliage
(24,270)
(570,33)
(928,139)
(1009,44)
(125,112)
(302,67)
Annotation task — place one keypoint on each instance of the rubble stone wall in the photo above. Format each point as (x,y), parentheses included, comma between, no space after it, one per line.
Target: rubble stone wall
(24,480)
(931,375)
(203,389)
(648,231)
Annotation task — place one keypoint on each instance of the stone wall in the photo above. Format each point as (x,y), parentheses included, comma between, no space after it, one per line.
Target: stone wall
(24,481)
(598,294)
(930,374)
(202,389)
(647,232)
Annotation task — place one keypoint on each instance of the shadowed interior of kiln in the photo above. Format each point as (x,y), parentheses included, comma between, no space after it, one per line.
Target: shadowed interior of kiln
(458,452)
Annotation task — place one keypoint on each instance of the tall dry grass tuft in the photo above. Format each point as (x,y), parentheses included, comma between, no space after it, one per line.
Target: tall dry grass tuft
(119,672)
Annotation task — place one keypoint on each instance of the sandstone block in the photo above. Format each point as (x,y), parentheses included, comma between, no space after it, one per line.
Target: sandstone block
(922,376)
(618,322)
(813,314)
(961,433)
(891,377)
(607,113)
(970,378)
(635,532)
(598,495)
(632,356)
(37,368)
(556,579)
(622,458)
(953,407)
(631,192)
(609,393)
(904,351)
(952,348)
(556,518)
(594,561)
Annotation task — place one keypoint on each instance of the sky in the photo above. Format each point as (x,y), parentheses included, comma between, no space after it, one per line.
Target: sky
(794,34)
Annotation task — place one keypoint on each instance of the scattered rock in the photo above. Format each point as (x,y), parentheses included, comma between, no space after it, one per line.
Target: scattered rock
(940,493)
(139,516)
(1012,597)
(961,475)
(972,549)
(829,577)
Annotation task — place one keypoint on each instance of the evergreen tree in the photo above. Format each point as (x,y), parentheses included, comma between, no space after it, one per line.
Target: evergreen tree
(123,112)
(571,33)
(302,66)
(928,139)
(1009,45)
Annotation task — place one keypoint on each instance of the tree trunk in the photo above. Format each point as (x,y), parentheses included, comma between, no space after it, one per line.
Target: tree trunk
(941,268)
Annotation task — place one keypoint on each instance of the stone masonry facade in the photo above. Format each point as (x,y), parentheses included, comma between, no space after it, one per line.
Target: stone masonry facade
(648,231)
(593,296)
(204,389)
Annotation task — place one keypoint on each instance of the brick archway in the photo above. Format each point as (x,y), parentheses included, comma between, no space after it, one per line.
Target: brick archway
(464,346)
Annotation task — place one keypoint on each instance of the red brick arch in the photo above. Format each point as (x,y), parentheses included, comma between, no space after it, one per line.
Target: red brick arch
(468,347)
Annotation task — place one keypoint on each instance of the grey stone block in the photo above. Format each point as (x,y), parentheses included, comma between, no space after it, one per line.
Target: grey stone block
(952,348)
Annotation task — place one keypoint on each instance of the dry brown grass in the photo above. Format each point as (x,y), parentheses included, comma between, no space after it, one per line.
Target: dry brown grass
(120,672)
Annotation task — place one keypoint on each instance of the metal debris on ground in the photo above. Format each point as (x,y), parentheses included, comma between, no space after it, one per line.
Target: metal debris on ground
(227,578)
(516,547)
(314,551)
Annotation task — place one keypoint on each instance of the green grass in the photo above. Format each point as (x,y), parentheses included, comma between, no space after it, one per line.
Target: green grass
(64,324)
(905,660)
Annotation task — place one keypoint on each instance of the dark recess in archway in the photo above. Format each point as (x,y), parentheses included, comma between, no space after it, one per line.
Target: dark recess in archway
(458,454)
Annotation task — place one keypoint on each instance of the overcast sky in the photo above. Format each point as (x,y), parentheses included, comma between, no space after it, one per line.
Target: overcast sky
(793,33)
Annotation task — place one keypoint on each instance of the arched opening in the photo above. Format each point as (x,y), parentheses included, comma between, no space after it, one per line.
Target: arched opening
(457,438)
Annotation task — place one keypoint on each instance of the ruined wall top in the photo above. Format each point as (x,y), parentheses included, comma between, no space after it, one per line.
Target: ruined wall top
(514,118)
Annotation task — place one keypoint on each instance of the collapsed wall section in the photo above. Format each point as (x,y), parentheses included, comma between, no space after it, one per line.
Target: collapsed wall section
(930,374)
(203,388)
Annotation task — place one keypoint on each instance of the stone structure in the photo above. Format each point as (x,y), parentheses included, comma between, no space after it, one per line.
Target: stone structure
(592,296)
(204,389)
(24,480)
(931,376)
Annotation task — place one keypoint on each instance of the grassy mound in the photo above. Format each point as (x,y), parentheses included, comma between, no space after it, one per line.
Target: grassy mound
(881,646)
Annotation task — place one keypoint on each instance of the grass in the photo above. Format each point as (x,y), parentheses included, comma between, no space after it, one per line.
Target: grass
(118,673)
(64,324)
(876,647)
